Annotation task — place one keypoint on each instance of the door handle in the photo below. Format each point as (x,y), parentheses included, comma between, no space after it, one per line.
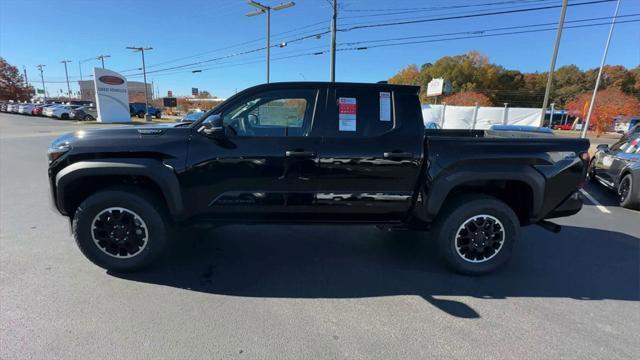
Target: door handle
(300,154)
(398,155)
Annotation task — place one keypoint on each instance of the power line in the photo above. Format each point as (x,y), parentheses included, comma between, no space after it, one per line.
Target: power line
(474,32)
(392,12)
(490,35)
(454,17)
(356,48)
(440,7)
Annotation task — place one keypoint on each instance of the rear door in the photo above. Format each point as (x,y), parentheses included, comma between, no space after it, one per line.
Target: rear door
(370,155)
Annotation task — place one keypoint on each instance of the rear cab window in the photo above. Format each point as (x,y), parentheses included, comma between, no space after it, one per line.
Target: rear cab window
(359,112)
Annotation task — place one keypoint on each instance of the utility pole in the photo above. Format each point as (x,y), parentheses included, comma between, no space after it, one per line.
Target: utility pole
(141,49)
(267,9)
(26,80)
(552,68)
(44,91)
(66,74)
(334,25)
(101,58)
(585,126)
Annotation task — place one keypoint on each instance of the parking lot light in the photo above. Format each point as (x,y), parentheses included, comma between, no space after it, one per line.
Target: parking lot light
(261,9)
(141,49)
(101,58)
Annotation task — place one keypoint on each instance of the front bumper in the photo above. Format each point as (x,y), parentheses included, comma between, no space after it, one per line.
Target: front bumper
(570,206)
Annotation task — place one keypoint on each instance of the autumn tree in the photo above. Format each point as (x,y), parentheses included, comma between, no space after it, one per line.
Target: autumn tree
(406,76)
(12,86)
(473,72)
(468,98)
(610,103)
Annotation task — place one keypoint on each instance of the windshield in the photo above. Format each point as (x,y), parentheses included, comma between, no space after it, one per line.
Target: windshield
(193,116)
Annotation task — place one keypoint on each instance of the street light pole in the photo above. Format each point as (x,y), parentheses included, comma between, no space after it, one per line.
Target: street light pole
(585,126)
(147,117)
(66,74)
(334,24)
(44,90)
(26,80)
(552,67)
(267,9)
(101,58)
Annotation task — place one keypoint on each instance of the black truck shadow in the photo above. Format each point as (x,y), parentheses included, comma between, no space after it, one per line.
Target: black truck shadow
(604,195)
(352,262)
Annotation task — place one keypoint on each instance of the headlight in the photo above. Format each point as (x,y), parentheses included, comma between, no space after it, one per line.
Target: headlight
(57,149)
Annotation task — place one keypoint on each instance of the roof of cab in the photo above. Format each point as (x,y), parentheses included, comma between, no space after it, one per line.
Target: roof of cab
(303,84)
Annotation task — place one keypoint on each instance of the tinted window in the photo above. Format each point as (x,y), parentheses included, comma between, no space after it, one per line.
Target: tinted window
(273,113)
(360,113)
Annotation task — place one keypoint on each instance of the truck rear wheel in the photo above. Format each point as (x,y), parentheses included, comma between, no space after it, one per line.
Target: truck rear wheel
(476,233)
(120,230)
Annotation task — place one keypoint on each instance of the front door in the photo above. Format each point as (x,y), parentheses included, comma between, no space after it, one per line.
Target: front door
(266,167)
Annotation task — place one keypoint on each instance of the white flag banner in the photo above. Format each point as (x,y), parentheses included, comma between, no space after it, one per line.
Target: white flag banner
(466,117)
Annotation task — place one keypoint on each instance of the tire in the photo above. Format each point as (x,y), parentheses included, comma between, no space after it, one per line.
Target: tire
(140,115)
(64,116)
(475,210)
(120,207)
(158,115)
(629,193)
(88,118)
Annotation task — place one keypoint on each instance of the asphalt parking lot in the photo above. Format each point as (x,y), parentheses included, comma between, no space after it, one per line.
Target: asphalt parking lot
(293,292)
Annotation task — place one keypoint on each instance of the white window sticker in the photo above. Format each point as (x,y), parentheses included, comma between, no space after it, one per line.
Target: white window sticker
(347,114)
(385,106)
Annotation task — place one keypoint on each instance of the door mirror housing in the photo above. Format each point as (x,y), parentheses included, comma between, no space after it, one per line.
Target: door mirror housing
(213,127)
(603,147)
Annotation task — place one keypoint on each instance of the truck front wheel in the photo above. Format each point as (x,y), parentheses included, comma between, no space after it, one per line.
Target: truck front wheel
(476,233)
(120,230)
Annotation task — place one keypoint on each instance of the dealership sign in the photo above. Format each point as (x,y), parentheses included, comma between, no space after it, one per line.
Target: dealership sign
(112,96)
(435,87)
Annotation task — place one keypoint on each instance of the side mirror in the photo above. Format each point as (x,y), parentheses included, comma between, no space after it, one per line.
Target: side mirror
(213,127)
(603,147)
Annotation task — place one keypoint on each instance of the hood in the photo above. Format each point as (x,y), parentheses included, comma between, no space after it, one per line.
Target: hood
(157,138)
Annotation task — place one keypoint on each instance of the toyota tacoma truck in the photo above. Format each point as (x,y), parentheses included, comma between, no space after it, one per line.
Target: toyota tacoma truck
(309,153)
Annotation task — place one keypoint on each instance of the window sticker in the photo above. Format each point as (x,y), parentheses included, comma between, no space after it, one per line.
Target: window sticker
(385,106)
(347,114)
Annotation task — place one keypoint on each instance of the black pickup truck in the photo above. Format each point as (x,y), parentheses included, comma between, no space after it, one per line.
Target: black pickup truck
(313,152)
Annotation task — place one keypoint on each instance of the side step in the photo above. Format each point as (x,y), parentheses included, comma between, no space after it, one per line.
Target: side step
(549,226)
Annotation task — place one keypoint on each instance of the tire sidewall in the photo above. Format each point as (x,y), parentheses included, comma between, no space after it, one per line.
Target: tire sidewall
(459,215)
(82,227)
(631,201)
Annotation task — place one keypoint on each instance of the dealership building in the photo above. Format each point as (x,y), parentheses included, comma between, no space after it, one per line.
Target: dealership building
(135,90)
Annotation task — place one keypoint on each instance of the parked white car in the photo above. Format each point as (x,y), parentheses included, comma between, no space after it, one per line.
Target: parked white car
(26,108)
(62,111)
(13,107)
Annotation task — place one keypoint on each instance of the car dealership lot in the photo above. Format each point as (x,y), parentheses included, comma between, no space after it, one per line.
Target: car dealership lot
(299,291)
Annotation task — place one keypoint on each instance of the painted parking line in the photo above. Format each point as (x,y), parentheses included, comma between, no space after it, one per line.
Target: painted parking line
(595,202)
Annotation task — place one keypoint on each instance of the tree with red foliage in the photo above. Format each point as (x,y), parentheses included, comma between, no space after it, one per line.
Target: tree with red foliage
(12,85)
(610,103)
(467,98)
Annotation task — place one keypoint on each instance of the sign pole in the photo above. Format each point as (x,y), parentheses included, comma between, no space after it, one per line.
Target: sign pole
(585,127)
(547,91)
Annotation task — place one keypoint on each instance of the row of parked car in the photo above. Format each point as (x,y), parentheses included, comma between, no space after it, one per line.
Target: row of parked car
(53,110)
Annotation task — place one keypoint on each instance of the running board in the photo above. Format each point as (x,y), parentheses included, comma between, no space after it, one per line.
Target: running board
(548,225)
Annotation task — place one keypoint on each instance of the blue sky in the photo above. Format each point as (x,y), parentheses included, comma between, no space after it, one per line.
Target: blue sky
(182,32)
